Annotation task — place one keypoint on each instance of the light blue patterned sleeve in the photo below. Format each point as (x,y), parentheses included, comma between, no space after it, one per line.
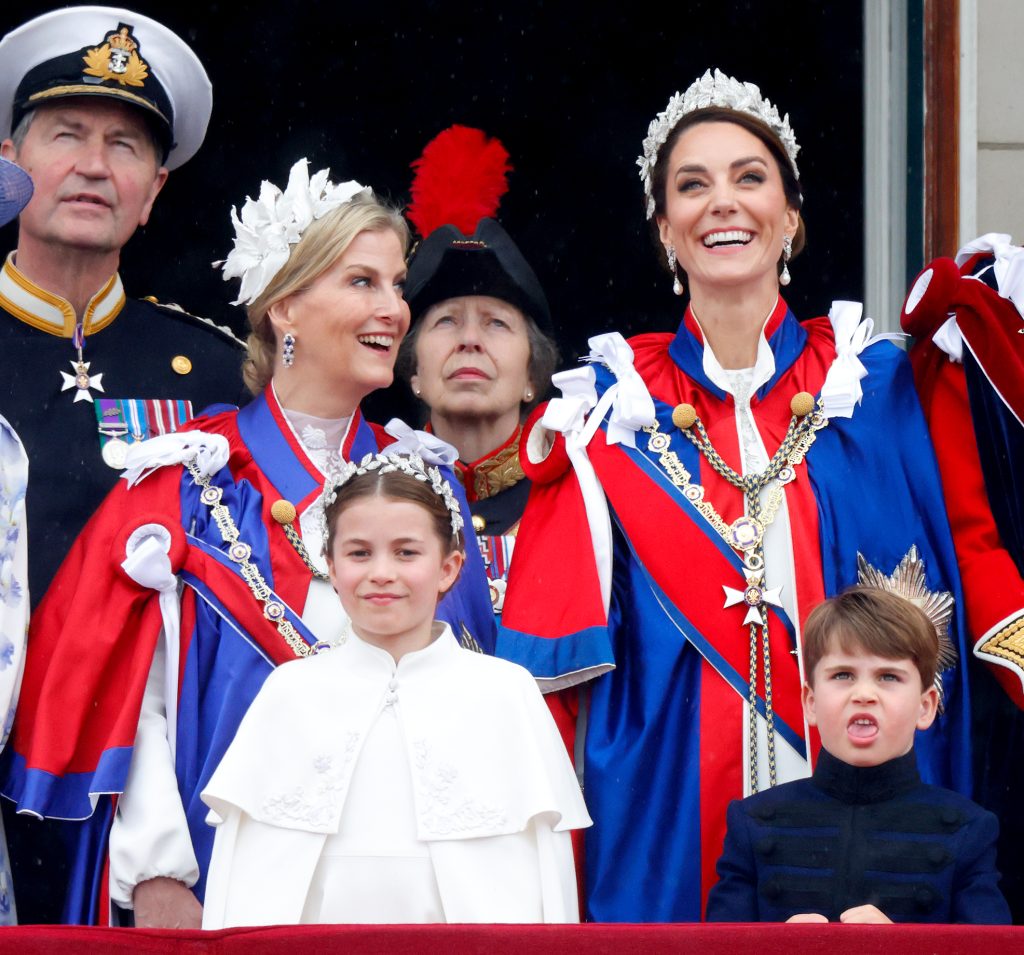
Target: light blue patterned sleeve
(14,610)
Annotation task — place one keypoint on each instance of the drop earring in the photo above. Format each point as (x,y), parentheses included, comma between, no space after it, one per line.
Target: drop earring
(670,254)
(288,350)
(787,253)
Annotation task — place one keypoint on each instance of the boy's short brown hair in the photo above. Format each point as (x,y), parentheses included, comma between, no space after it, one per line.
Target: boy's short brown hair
(877,622)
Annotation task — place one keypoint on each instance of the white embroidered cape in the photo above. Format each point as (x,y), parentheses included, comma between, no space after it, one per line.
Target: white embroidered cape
(489,772)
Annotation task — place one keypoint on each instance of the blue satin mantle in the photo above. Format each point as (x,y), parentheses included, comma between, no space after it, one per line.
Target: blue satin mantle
(877,489)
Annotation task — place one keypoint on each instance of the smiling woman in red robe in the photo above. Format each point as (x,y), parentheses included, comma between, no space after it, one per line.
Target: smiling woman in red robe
(695,496)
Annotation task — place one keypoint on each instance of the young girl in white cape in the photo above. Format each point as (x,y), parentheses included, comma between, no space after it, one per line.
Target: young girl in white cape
(396,777)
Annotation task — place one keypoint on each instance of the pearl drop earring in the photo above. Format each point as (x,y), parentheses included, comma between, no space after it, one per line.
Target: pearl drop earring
(670,254)
(787,253)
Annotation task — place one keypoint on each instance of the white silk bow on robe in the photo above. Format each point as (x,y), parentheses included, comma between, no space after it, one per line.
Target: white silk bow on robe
(209,453)
(431,448)
(578,414)
(842,391)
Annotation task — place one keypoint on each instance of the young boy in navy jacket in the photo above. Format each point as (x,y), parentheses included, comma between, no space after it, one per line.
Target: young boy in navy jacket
(862,840)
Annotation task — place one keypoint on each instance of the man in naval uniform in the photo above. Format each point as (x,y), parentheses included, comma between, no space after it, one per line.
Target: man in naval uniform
(97,104)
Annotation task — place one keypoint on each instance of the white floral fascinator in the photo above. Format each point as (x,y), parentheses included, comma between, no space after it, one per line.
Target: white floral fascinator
(269,226)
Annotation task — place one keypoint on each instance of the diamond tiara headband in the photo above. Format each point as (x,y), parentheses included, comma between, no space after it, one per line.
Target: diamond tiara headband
(411,464)
(712,90)
(269,226)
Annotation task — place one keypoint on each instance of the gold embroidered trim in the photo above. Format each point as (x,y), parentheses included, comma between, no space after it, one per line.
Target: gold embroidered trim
(89,89)
(22,281)
(89,326)
(499,472)
(1008,643)
(29,318)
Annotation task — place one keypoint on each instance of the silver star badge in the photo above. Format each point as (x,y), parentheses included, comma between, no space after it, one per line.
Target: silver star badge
(82,380)
(909,581)
(754,596)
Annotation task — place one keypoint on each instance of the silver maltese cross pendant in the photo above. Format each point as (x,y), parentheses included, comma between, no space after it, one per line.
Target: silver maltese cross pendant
(754,595)
(81,380)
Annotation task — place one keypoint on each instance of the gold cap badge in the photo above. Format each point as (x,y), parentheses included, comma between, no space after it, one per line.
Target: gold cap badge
(117,59)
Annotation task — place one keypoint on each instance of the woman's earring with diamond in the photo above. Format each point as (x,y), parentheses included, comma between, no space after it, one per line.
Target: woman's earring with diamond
(787,253)
(670,254)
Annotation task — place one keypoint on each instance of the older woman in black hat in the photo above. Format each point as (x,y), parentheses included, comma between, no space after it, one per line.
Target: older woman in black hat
(480,352)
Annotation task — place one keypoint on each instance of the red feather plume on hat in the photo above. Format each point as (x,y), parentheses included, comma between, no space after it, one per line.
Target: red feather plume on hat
(459,180)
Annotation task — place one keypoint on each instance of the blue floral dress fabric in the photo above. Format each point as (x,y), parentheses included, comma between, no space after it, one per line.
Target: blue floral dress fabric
(14,607)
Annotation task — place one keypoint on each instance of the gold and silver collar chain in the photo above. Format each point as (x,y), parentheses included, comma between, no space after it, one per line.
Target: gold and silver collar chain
(284,513)
(240,553)
(746,534)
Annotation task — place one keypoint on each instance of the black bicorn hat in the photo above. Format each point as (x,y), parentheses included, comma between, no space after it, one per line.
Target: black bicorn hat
(112,53)
(448,264)
(460,178)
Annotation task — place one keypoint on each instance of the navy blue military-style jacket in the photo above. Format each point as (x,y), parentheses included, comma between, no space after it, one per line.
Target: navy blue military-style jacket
(853,836)
(151,367)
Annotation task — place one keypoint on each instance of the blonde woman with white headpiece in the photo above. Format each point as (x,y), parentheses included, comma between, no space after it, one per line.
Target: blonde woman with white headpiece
(204,570)
(695,495)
